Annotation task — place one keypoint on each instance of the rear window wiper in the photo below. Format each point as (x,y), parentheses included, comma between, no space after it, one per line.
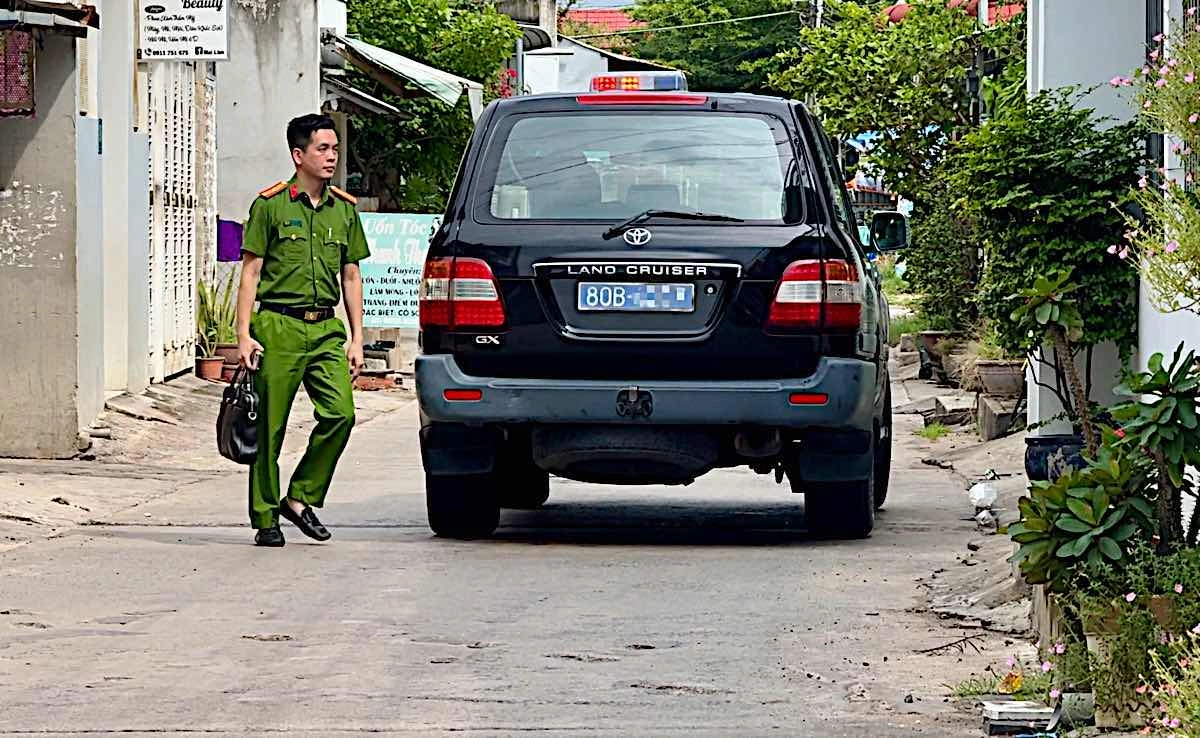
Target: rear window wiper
(645,215)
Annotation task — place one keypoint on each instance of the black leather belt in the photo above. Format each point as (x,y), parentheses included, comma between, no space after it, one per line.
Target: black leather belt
(307,314)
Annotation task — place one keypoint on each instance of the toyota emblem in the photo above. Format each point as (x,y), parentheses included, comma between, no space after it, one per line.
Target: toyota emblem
(637,236)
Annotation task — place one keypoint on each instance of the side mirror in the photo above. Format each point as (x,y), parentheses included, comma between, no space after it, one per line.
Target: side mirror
(850,158)
(889,231)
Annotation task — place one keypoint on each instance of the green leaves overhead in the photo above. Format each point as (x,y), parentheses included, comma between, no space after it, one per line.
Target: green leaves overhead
(907,81)
(413,163)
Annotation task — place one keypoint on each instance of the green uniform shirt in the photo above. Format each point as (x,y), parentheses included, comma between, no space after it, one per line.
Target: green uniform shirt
(303,246)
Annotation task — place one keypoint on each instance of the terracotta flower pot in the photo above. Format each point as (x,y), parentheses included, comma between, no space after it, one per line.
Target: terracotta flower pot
(227,351)
(209,367)
(227,371)
(1001,378)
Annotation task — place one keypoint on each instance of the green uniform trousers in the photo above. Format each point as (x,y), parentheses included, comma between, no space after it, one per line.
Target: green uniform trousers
(293,352)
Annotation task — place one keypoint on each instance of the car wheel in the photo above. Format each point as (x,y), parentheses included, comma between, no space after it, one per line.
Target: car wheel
(883,451)
(524,488)
(463,507)
(841,509)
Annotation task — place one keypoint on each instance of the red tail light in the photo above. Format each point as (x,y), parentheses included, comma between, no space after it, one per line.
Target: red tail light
(457,292)
(817,295)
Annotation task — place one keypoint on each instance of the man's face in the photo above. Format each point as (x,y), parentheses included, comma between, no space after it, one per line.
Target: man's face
(320,159)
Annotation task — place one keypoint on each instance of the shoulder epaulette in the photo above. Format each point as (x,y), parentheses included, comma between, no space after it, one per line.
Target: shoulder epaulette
(343,195)
(273,190)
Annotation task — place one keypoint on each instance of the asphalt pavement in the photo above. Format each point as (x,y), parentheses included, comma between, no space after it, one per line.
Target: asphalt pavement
(703,610)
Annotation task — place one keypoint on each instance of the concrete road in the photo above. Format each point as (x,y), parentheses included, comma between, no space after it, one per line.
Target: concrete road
(702,610)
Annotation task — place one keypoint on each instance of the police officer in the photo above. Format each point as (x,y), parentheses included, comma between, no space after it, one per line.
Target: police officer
(300,252)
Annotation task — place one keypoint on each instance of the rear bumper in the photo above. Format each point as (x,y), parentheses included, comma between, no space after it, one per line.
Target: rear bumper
(849,384)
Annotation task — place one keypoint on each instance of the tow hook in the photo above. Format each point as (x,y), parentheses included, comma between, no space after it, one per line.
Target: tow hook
(634,403)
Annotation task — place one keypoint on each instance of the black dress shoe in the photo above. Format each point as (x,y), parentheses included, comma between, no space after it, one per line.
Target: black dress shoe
(272,537)
(306,521)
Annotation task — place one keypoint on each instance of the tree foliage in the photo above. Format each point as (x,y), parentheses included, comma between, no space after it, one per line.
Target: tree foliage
(1046,180)
(719,58)
(412,163)
(906,81)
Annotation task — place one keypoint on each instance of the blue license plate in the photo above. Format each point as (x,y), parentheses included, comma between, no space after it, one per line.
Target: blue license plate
(637,297)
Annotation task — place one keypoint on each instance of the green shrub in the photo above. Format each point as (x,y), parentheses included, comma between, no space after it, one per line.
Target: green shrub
(1046,181)
(943,260)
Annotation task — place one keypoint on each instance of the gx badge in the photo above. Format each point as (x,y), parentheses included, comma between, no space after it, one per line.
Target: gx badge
(487,340)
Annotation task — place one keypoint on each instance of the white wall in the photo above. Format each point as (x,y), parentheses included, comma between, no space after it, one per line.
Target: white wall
(1085,43)
(332,15)
(575,72)
(1064,51)
(542,71)
(125,217)
(272,76)
(89,254)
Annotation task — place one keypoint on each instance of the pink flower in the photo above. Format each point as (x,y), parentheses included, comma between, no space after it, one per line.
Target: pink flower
(1155,54)
(1060,648)
(1178,587)
(1012,660)
(1184,663)
(1146,105)
(1190,178)
(1166,70)
(1175,723)
(1173,63)
(1114,249)
(1193,118)
(1144,182)
(1119,432)
(1132,595)
(1142,689)
(1055,694)
(1190,77)
(1160,83)
(1196,630)
(1172,247)
(1191,12)
(1046,667)
(1188,150)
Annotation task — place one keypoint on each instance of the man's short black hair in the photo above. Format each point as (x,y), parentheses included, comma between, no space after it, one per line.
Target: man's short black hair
(300,130)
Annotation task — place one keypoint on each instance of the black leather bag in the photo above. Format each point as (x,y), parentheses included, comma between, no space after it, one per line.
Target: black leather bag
(237,422)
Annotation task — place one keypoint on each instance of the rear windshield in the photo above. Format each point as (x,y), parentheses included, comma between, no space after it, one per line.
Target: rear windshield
(609,165)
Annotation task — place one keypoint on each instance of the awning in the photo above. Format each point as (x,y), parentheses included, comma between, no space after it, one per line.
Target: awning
(620,62)
(339,89)
(534,37)
(77,11)
(401,74)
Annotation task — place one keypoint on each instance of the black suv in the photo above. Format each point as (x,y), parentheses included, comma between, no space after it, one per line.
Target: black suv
(639,287)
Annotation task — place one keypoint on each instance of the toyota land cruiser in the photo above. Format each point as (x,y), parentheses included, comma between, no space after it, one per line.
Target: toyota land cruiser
(637,285)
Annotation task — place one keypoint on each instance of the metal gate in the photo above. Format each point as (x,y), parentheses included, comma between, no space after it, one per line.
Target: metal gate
(171,113)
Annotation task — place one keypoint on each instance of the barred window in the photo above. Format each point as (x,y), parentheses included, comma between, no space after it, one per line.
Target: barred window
(16,73)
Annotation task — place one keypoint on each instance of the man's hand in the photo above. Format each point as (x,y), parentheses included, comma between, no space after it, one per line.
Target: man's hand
(248,351)
(354,352)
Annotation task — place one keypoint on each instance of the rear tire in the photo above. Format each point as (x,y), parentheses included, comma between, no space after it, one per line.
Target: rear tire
(462,507)
(883,451)
(841,509)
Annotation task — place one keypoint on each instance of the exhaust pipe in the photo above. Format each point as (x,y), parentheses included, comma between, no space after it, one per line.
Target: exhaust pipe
(758,444)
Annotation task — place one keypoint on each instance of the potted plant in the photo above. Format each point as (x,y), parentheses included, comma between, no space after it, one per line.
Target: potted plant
(216,328)
(1000,374)
(1051,317)
(1163,424)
